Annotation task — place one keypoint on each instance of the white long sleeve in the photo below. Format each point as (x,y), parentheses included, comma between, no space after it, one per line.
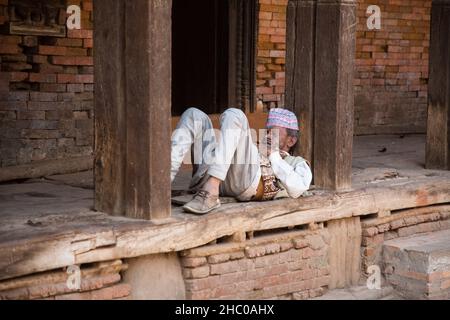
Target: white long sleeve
(296,180)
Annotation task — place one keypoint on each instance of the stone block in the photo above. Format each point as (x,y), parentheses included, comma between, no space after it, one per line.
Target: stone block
(418,266)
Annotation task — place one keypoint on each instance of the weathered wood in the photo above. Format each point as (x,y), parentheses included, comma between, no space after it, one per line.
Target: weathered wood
(402,214)
(133,108)
(300,70)
(46,168)
(438,137)
(344,252)
(241,54)
(334,101)
(110,106)
(222,248)
(50,277)
(108,238)
(239,236)
(148,92)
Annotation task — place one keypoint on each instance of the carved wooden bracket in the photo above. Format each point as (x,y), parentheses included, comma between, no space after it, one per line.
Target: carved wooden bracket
(38,17)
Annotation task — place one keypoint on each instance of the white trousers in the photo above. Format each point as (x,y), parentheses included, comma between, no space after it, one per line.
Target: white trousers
(232,157)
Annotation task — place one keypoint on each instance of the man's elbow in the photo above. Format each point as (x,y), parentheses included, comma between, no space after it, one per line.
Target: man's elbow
(298,192)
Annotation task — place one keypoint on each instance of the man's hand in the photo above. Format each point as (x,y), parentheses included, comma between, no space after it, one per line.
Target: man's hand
(284,154)
(267,147)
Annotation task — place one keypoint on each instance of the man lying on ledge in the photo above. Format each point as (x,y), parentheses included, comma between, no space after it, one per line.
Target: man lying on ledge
(233,166)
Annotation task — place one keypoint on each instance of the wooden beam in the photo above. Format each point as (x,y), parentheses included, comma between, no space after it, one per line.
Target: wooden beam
(46,168)
(334,101)
(133,107)
(94,237)
(438,135)
(300,69)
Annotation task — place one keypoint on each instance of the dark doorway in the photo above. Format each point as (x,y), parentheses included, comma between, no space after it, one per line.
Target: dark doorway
(213,54)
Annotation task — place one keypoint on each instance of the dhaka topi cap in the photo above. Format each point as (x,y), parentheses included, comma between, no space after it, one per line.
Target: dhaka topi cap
(282,118)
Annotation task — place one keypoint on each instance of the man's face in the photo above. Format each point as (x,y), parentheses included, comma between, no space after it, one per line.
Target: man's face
(285,142)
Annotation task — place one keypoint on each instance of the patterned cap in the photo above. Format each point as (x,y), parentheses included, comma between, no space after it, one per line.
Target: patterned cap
(282,118)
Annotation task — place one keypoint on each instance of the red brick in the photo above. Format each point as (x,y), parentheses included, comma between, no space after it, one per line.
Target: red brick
(72,78)
(66,42)
(9,49)
(84,34)
(74,61)
(252,252)
(88,43)
(52,50)
(50,87)
(18,76)
(193,262)
(42,78)
(43,96)
(219,258)
(196,273)
(230,267)
(300,243)
(87,5)
(373,241)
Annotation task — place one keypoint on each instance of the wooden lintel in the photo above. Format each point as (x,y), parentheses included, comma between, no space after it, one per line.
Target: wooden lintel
(46,168)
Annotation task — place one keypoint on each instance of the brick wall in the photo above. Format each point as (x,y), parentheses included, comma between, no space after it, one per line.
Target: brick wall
(291,265)
(391,73)
(402,224)
(46,92)
(270,83)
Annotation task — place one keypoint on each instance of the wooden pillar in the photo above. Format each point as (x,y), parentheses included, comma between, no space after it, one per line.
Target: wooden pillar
(345,252)
(438,137)
(334,100)
(320,64)
(132,42)
(300,70)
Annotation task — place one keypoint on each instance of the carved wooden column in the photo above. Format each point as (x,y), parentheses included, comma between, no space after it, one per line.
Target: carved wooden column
(133,107)
(320,65)
(438,137)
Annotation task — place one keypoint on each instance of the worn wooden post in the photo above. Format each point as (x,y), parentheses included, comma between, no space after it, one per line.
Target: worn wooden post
(438,137)
(133,107)
(333,92)
(300,69)
(345,252)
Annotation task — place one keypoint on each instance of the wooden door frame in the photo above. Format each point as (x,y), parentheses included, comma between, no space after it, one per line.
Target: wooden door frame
(243,37)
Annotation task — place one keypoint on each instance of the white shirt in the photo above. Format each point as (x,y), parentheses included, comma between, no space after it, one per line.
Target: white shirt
(295,178)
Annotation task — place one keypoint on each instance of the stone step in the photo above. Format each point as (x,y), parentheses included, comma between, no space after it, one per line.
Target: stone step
(418,267)
(359,293)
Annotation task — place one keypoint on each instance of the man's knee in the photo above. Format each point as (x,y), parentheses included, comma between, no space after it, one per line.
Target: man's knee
(194,113)
(235,114)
